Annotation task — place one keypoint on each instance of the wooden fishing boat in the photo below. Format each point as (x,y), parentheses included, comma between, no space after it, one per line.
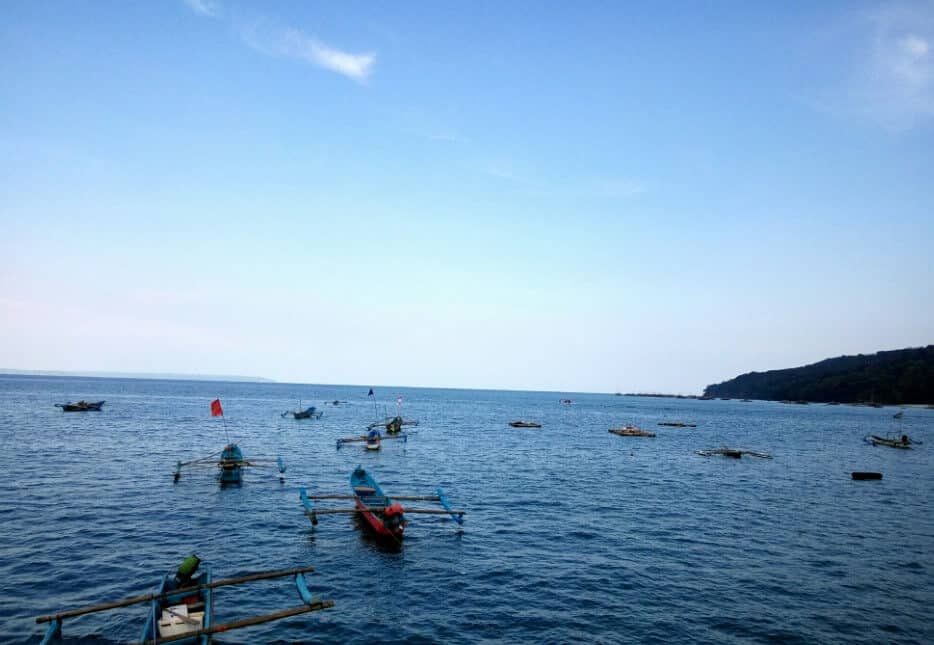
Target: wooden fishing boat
(677,424)
(182,608)
(382,515)
(524,424)
(860,476)
(230,464)
(732,452)
(81,406)
(369,439)
(631,431)
(310,412)
(904,442)
(392,424)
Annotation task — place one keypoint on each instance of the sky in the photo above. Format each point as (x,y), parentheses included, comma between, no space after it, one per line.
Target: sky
(593,196)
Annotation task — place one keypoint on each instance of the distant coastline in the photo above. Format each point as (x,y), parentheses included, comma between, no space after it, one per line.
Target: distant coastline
(155,376)
(893,377)
(669,396)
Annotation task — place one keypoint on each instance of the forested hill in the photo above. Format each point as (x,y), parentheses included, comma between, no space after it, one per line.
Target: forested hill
(895,377)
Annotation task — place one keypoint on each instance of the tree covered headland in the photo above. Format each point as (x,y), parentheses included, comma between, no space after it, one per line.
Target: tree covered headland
(895,377)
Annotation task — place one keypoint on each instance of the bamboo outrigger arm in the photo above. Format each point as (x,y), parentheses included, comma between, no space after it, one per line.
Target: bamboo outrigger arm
(265,575)
(247,622)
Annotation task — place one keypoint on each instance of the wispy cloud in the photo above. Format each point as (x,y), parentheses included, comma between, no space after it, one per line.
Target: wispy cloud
(892,80)
(204,7)
(292,43)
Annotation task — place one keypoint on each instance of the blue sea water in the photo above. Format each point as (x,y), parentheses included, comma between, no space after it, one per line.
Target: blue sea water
(572,534)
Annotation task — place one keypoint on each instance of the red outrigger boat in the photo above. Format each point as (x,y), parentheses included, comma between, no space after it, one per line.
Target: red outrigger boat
(383,516)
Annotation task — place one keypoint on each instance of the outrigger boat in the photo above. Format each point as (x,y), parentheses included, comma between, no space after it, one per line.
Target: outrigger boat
(81,406)
(393,425)
(677,424)
(524,424)
(231,464)
(182,608)
(385,517)
(905,442)
(631,431)
(732,452)
(310,412)
(373,439)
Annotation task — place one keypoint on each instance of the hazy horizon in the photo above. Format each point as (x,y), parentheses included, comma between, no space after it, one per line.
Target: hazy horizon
(568,198)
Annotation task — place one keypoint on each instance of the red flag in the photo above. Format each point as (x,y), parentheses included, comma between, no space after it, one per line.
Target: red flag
(216,409)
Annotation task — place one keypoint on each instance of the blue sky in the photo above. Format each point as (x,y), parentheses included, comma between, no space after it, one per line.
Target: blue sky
(563,196)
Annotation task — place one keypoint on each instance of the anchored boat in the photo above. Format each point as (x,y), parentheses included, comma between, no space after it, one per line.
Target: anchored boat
(383,515)
(905,442)
(631,431)
(677,424)
(310,412)
(81,406)
(392,424)
(230,463)
(524,424)
(373,439)
(732,452)
(182,608)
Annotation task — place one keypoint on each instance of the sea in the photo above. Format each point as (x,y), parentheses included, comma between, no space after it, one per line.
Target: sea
(571,534)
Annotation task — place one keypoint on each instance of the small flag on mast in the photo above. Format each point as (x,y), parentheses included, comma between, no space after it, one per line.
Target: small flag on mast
(216,409)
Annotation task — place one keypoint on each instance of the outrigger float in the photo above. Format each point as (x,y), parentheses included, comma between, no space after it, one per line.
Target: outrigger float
(383,515)
(182,608)
(231,463)
(732,452)
(81,406)
(631,431)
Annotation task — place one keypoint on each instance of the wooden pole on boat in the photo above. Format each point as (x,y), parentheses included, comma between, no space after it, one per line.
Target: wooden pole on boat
(71,613)
(431,511)
(407,498)
(247,622)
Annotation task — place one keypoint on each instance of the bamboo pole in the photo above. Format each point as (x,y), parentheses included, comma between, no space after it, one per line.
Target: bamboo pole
(427,511)
(407,498)
(71,613)
(245,622)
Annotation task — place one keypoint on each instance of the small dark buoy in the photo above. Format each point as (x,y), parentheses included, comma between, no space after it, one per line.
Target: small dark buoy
(866,475)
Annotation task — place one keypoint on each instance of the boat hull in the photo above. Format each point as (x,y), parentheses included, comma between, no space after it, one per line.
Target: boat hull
(371,502)
(904,444)
(81,406)
(231,465)
(198,598)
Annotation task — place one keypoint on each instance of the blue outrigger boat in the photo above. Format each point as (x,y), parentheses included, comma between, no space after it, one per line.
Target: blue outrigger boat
(231,465)
(181,610)
(383,515)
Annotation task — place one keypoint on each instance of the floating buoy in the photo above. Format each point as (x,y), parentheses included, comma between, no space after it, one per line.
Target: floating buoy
(866,475)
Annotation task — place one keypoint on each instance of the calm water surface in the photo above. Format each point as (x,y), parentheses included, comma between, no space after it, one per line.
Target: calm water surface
(572,534)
